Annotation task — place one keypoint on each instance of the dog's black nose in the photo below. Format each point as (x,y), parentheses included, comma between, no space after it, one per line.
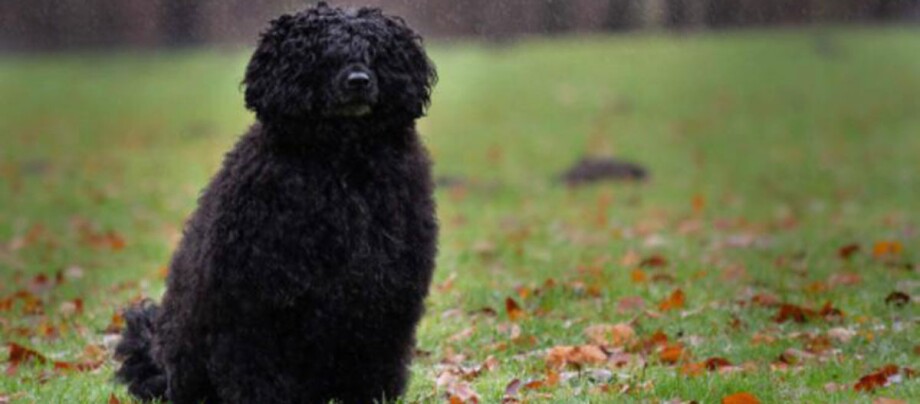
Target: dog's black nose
(358,81)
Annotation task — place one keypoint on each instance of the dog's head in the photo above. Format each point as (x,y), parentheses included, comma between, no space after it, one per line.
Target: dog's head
(333,64)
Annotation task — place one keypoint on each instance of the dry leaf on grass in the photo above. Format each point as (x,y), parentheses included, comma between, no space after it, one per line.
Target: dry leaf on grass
(615,335)
(673,302)
(888,374)
(515,312)
(883,400)
(578,356)
(846,252)
(741,398)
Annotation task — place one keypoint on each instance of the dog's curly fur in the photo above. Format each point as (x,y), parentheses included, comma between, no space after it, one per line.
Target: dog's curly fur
(302,275)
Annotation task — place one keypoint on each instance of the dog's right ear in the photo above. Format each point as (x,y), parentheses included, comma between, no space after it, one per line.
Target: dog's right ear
(280,62)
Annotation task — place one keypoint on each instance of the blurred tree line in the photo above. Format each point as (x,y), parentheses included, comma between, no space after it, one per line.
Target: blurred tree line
(55,24)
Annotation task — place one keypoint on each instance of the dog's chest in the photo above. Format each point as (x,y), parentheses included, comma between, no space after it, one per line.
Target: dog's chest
(348,217)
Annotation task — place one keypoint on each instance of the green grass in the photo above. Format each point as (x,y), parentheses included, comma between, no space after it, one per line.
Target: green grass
(801,151)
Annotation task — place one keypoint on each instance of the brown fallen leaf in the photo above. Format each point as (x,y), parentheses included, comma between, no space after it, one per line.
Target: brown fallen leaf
(698,203)
(692,369)
(578,356)
(817,344)
(616,335)
(844,279)
(716,363)
(887,249)
(832,387)
(113,399)
(19,354)
(551,380)
(630,303)
(511,392)
(884,400)
(673,353)
(841,334)
(638,276)
(741,398)
(673,302)
(792,312)
(794,357)
(656,340)
(116,324)
(765,300)
(77,366)
(830,313)
(654,261)
(630,259)
(881,378)
(897,299)
(846,252)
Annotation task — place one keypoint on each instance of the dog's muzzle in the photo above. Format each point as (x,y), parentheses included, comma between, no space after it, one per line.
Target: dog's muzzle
(357,91)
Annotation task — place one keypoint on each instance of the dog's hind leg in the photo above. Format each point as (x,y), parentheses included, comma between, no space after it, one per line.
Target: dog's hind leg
(187,382)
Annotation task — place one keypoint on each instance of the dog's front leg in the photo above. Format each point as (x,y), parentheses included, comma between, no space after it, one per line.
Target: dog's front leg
(247,367)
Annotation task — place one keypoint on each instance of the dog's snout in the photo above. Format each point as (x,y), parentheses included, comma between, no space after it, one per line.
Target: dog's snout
(358,81)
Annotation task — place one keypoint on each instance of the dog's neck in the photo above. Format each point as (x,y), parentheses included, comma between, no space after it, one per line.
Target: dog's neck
(337,137)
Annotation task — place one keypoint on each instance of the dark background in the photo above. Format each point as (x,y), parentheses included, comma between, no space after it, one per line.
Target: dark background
(28,25)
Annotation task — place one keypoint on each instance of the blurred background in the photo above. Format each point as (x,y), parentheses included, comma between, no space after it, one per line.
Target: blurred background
(591,156)
(61,24)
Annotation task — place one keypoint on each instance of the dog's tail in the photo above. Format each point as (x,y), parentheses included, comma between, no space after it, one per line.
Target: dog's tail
(145,379)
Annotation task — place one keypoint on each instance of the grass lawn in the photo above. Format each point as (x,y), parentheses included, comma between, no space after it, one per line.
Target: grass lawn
(769,153)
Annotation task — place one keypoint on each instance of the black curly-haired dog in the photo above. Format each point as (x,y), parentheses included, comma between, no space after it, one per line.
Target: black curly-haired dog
(301,276)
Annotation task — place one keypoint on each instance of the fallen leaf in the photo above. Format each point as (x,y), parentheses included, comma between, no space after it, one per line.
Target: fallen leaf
(817,344)
(794,356)
(630,259)
(578,356)
(19,354)
(884,400)
(830,313)
(113,399)
(692,368)
(116,324)
(832,387)
(699,203)
(897,299)
(551,380)
(792,312)
(630,303)
(638,276)
(841,334)
(846,252)
(887,249)
(77,366)
(514,310)
(881,378)
(616,335)
(654,261)
(765,299)
(511,390)
(673,353)
(844,279)
(658,339)
(740,398)
(674,301)
(716,363)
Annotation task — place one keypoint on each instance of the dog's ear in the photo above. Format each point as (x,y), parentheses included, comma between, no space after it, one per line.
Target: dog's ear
(278,68)
(406,55)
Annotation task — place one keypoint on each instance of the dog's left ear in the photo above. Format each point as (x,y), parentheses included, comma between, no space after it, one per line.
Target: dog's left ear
(407,50)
